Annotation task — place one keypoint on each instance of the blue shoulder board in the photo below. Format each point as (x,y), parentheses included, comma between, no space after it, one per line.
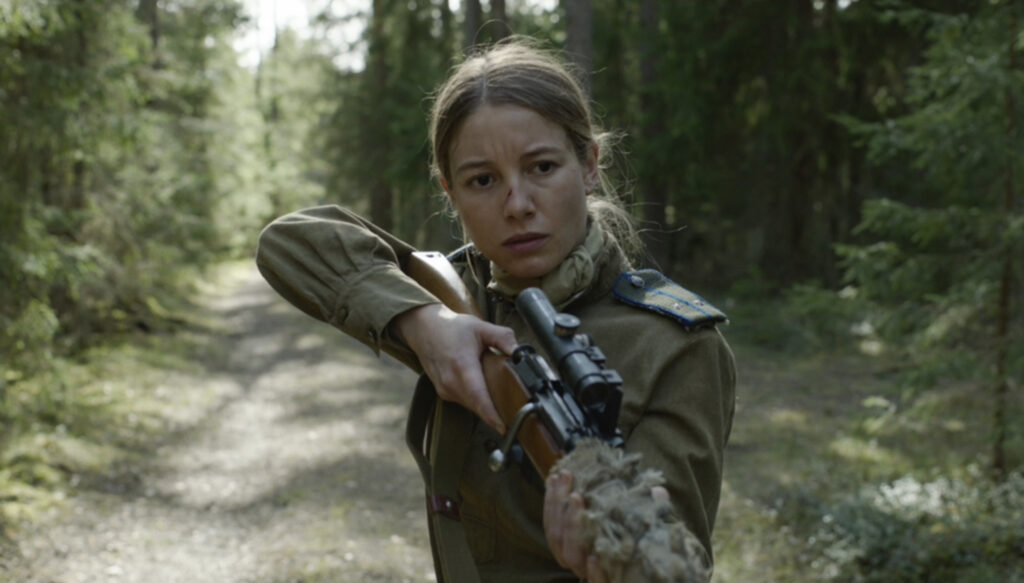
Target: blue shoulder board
(649,289)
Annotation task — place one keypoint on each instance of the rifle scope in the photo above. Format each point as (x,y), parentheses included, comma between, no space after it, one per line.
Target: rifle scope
(579,362)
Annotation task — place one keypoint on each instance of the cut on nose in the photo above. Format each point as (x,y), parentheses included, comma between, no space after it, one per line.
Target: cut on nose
(518,203)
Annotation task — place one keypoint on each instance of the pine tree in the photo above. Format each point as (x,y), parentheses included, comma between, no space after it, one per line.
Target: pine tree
(942,258)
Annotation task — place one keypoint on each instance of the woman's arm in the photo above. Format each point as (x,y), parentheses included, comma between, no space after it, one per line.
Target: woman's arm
(685,426)
(341,269)
(686,415)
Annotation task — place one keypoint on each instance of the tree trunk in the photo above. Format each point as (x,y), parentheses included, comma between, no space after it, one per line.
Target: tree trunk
(471,25)
(375,138)
(499,15)
(653,189)
(149,14)
(1004,310)
(74,199)
(579,38)
(447,30)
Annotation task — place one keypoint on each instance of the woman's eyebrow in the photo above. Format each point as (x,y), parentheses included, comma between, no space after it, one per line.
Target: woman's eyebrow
(541,149)
(538,150)
(470,165)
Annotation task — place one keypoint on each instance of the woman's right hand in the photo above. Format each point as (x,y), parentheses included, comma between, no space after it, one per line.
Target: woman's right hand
(449,347)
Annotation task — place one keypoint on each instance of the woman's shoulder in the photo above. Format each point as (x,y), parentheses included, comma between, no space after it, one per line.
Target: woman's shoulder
(650,290)
(664,341)
(646,302)
(647,316)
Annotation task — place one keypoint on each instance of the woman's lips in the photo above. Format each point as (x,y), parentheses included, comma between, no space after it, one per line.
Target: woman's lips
(524,243)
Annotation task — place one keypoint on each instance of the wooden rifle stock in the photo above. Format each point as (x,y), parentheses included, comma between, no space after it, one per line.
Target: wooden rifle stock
(433,271)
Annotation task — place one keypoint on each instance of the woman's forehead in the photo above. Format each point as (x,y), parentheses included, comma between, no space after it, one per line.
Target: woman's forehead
(506,130)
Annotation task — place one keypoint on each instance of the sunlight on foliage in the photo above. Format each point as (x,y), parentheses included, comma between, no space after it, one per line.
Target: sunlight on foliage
(866,452)
(911,530)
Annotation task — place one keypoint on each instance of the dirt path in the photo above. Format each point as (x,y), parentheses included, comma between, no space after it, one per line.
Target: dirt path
(291,468)
(287,464)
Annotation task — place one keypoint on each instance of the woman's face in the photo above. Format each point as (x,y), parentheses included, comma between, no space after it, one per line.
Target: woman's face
(519,188)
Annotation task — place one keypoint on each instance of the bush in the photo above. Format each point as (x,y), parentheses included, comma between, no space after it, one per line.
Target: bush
(909,531)
(806,319)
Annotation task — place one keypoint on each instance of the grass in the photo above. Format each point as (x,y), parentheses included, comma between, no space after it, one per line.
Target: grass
(820,439)
(84,418)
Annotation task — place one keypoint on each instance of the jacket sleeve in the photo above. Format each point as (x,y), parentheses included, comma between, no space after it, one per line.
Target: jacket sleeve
(341,269)
(685,424)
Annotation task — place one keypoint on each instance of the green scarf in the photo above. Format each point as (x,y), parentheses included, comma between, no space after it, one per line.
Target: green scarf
(571,279)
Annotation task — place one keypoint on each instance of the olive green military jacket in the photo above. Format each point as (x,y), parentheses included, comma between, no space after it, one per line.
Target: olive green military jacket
(678,392)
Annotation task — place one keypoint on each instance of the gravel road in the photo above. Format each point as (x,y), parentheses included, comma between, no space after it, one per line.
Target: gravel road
(289,467)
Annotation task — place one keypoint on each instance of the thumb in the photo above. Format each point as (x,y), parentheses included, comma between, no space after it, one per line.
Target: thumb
(499,337)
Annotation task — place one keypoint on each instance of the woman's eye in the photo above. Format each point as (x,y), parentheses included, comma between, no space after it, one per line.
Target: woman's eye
(545,166)
(481,181)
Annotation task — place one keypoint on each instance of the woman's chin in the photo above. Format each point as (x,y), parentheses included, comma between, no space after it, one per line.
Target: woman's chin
(527,269)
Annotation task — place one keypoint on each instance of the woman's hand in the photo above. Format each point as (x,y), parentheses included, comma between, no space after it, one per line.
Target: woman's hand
(449,347)
(563,520)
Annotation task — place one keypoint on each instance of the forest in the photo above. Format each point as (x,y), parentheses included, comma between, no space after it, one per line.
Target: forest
(843,177)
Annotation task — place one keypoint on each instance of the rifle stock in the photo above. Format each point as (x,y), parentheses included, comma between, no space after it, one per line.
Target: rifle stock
(435,273)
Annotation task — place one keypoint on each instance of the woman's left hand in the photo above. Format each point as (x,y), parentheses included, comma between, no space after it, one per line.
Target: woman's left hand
(563,520)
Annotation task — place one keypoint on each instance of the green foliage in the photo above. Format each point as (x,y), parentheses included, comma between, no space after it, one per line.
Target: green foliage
(828,320)
(276,161)
(375,137)
(131,159)
(733,133)
(937,257)
(81,418)
(913,531)
(932,274)
(804,319)
(775,137)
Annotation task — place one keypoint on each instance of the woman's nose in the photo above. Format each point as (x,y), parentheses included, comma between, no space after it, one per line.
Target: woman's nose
(518,201)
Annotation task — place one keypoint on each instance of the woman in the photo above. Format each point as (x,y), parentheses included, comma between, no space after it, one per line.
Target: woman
(518,157)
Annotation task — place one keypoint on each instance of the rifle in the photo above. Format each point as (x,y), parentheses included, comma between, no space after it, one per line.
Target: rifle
(547,413)
(549,416)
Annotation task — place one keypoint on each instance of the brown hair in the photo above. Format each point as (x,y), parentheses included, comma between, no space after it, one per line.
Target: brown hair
(517,72)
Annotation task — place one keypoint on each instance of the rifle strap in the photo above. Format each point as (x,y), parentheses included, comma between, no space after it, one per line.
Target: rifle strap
(442,430)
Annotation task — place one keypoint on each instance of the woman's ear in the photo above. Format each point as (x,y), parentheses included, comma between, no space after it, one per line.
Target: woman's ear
(591,170)
(447,191)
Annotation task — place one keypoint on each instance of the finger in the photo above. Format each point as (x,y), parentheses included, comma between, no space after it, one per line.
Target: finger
(557,489)
(572,547)
(462,381)
(595,574)
(500,337)
(479,399)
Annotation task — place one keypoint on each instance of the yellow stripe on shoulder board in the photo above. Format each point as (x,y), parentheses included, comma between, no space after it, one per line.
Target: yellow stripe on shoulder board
(650,290)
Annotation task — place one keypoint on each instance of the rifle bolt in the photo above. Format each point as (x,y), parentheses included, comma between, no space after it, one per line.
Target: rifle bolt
(497,461)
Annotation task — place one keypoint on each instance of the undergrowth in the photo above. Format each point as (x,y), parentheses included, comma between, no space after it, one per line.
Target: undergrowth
(882,475)
(967,529)
(77,420)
